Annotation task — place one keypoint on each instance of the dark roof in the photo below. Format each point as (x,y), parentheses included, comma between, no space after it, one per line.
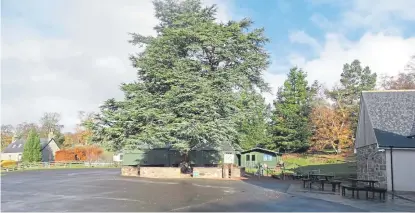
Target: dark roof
(17,145)
(259,150)
(216,147)
(392,115)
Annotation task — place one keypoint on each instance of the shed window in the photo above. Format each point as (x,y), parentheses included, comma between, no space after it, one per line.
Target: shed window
(267,157)
(253,157)
(247,158)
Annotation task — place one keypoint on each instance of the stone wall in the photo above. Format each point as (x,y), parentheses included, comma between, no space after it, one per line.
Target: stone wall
(208,172)
(238,172)
(130,171)
(218,172)
(160,172)
(371,165)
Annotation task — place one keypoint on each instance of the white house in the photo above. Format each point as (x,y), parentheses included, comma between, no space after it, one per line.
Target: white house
(14,151)
(385,139)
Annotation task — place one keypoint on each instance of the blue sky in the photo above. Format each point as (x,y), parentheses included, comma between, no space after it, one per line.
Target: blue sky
(70,55)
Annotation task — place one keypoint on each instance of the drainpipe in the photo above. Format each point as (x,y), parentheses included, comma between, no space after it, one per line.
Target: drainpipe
(391,156)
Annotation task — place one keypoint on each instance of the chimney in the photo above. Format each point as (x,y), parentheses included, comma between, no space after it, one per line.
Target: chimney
(50,135)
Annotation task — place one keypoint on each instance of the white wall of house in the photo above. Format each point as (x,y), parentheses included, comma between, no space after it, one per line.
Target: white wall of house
(403,169)
(11,156)
(117,157)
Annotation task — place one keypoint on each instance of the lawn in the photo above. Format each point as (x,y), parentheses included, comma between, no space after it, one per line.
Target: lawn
(342,165)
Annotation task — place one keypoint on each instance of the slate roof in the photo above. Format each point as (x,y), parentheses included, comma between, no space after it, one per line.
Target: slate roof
(17,145)
(392,115)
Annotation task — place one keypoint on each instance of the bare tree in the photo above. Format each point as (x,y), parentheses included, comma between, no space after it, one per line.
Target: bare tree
(49,122)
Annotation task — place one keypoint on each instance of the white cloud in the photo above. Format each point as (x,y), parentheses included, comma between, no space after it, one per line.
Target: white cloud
(380,16)
(301,37)
(382,53)
(74,63)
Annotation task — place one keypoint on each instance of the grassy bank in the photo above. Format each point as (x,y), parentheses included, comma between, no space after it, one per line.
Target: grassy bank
(342,165)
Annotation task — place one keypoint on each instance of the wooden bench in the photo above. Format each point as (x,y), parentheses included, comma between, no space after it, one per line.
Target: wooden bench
(320,181)
(381,191)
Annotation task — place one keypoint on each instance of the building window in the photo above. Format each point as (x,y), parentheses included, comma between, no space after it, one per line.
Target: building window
(121,157)
(267,157)
(19,157)
(14,146)
(253,157)
(247,158)
(20,145)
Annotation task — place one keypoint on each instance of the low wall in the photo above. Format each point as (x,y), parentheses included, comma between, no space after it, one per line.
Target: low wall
(238,172)
(208,172)
(130,171)
(160,172)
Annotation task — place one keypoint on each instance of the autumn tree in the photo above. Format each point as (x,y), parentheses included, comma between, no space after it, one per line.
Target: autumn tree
(346,96)
(7,133)
(331,128)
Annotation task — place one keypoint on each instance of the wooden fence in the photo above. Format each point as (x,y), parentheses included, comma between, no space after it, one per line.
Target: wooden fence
(58,165)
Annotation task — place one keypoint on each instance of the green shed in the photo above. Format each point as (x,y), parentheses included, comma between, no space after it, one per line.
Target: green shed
(152,157)
(205,154)
(251,158)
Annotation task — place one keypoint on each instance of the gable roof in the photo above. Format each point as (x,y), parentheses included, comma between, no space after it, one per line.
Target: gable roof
(17,145)
(392,115)
(260,150)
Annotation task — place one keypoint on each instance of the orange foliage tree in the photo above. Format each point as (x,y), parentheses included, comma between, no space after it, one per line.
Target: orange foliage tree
(65,155)
(332,128)
(83,132)
(80,153)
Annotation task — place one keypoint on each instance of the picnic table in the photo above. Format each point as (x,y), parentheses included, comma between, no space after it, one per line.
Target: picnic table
(371,188)
(322,179)
(318,176)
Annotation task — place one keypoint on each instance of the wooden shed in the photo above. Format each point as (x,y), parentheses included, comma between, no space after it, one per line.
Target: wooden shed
(206,155)
(253,157)
(164,157)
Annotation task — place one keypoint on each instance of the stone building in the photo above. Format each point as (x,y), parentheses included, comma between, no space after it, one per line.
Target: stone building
(385,144)
(14,151)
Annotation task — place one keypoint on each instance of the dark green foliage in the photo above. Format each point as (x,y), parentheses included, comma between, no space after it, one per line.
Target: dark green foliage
(32,149)
(252,121)
(290,122)
(189,79)
(354,79)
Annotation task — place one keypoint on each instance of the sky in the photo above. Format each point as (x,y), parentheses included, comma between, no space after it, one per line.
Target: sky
(67,56)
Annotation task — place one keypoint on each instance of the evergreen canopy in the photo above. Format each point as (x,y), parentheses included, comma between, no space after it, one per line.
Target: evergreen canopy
(190,80)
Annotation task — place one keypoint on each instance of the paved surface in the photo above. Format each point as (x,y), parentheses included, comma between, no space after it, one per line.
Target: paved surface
(390,204)
(105,190)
